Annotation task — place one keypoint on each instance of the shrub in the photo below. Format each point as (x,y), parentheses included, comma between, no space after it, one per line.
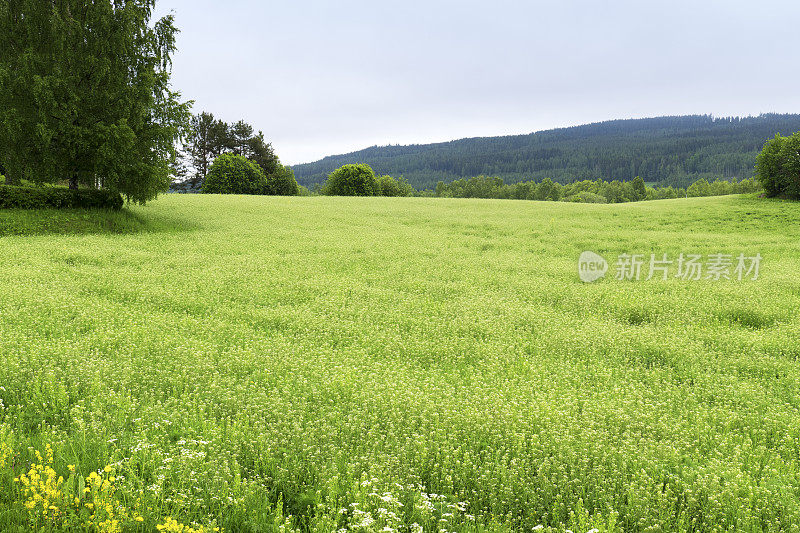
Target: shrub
(586,197)
(699,188)
(547,190)
(638,189)
(282,182)
(778,166)
(234,174)
(720,187)
(352,180)
(389,186)
(747,185)
(406,189)
(12,197)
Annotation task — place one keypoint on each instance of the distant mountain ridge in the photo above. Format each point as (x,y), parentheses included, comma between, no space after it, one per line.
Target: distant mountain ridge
(674,150)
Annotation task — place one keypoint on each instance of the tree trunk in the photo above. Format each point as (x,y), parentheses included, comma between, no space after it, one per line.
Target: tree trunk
(73,182)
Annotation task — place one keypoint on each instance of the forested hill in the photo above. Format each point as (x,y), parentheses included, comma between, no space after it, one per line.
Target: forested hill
(666,150)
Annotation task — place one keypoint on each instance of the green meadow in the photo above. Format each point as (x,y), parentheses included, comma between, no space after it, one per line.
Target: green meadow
(397,364)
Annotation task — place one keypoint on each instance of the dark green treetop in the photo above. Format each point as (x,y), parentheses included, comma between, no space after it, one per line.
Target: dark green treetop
(85,95)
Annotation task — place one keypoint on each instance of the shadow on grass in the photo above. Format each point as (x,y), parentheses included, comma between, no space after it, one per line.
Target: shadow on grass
(748,318)
(86,222)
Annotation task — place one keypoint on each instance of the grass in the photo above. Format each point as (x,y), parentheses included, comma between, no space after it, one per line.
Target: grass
(26,222)
(412,364)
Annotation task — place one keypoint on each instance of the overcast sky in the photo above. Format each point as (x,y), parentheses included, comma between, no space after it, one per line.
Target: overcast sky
(333,76)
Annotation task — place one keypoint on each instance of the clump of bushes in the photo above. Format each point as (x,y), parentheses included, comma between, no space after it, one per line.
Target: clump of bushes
(13,197)
(778,166)
(352,180)
(282,182)
(360,180)
(388,186)
(235,174)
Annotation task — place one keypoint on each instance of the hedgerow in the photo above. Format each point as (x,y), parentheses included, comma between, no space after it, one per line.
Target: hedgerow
(12,197)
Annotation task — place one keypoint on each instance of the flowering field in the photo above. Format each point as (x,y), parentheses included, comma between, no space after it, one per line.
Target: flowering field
(381,364)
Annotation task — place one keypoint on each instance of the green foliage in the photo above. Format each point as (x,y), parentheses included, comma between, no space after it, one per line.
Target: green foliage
(439,354)
(208,138)
(84,222)
(12,197)
(587,191)
(586,197)
(667,150)
(85,95)
(547,190)
(281,182)
(352,180)
(388,186)
(261,153)
(699,188)
(234,174)
(638,189)
(778,166)
(477,187)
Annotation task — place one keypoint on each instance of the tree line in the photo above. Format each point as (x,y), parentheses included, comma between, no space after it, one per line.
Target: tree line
(674,151)
(587,191)
(208,138)
(361,180)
